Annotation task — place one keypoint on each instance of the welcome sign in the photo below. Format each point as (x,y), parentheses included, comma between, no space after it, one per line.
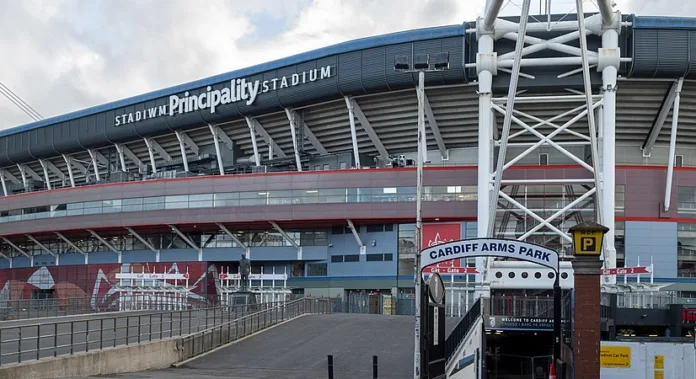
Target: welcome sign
(491,247)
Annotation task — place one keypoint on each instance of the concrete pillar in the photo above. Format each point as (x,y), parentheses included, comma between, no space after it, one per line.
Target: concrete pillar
(586,341)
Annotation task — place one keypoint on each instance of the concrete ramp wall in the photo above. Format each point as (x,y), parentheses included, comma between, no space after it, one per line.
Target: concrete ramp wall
(121,359)
(466,363)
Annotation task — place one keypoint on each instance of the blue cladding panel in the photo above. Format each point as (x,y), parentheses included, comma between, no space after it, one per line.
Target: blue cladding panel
(273,254)
(315,253)
(21,261)
(133,256)
(72,259)
(223,254)
(102,257)
(652,239)
(44,260)
(643,22)
(386,243)
(178,255)
(4,263)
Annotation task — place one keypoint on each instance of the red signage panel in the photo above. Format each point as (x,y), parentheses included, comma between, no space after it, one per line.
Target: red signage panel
(625,271)
(450,270)
(436,234)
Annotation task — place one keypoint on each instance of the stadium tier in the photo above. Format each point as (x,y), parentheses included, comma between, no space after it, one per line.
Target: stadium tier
(307,166)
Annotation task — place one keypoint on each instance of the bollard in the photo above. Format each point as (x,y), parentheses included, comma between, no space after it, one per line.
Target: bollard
(375,368)
(331,376)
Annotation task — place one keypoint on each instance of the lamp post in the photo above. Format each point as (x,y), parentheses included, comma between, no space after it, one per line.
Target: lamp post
(421,65)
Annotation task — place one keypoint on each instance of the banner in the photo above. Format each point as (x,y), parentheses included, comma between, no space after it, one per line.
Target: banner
(437,234)
(151,276)
(490,247)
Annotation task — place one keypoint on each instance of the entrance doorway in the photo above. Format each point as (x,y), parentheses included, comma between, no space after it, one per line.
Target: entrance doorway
(518,354)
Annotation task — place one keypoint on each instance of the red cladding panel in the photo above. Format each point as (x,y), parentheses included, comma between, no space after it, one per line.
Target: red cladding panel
(436,234)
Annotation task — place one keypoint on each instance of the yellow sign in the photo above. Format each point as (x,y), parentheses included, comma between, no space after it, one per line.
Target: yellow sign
(659,362)
(588,242)
(659,374)
(615,357)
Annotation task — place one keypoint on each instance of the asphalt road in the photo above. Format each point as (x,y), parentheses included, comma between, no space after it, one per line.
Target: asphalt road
(299,349)
(63,335)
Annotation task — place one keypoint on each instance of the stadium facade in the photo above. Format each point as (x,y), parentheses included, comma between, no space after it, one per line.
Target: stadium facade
(305,164)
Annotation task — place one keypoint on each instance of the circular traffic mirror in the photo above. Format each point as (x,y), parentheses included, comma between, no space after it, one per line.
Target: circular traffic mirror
(436,287)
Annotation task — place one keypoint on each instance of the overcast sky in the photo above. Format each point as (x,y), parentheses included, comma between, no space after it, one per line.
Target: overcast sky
(65,55)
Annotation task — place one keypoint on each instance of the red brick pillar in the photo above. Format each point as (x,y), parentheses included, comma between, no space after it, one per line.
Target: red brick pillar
(586,341)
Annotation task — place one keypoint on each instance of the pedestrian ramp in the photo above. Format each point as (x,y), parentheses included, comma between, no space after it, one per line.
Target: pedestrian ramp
(299,349)
(464,346)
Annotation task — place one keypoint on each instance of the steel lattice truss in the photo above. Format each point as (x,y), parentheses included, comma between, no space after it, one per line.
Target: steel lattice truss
(542,210)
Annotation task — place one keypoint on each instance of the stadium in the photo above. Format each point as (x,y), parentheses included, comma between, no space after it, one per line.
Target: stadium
(307,166)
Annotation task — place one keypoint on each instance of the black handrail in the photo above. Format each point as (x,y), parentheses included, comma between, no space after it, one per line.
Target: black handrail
(460,331)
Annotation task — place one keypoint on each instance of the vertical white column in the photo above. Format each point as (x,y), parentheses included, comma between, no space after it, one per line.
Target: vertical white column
(182,147)
(353,131)
(68,164)
(610,40)
(485,153)
(4,186)
(121,157)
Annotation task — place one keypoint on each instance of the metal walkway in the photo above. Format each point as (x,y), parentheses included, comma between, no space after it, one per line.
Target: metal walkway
(299,349)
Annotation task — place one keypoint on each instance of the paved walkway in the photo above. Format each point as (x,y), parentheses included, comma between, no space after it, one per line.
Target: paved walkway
(299,349)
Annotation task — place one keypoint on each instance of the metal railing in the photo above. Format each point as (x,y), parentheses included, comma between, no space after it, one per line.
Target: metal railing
(460,331)
(527,306)
(218,335)
(52,307)
(34,341)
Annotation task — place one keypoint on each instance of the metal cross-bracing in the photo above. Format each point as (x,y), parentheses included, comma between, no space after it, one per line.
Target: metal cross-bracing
(583,134)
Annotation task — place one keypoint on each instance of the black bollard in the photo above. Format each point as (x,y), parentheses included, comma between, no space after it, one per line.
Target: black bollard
(331,367)
(375,368)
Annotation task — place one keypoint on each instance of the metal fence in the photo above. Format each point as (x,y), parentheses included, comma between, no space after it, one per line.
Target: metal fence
(38,308)
(21,340)
(527,306)
(216,336)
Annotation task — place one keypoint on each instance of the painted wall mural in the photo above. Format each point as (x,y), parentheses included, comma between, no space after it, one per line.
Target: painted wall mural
(99,283)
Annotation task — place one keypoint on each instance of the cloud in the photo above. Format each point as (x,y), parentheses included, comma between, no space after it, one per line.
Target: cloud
(65,55)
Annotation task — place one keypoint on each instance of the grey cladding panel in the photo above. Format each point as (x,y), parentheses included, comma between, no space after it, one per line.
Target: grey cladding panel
(663,53)
(396,80)
(4,150)
(18,148)
(374,66)
(38,149)
(349,72)
(63,140)
(430,47)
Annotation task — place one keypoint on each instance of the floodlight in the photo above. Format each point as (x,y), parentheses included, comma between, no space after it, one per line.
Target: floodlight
(441,61)
(421,61)
(401,62)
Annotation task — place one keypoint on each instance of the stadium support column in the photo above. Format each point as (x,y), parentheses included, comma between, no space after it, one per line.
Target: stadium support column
(608,65)
(486,62)
(2,182)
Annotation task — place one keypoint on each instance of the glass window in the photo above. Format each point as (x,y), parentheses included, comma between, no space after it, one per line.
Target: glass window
(317,269)
(351,258)
(686,250)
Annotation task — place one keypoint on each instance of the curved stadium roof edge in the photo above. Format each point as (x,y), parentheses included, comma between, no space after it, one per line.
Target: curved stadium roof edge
(359,44)
(639,22)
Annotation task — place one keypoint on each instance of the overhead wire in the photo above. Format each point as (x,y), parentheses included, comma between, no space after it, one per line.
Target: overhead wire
(19,102)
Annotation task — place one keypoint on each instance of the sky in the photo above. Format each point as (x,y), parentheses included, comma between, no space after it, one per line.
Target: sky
(65,55)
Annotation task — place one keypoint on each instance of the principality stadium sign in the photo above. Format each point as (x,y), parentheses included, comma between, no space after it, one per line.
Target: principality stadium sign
(236,90)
